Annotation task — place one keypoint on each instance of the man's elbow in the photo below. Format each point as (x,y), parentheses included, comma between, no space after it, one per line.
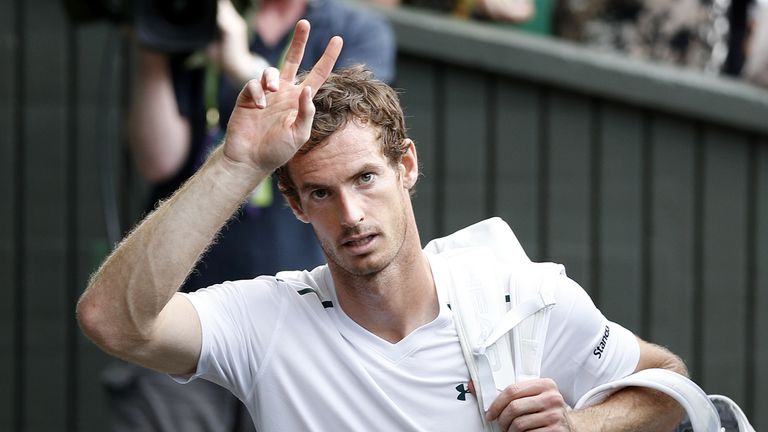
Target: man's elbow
(100,325)
(675,364)
(657,356)
(93,321)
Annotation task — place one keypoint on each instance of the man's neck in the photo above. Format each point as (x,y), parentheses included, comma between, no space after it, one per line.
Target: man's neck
(275,18)
(394,302)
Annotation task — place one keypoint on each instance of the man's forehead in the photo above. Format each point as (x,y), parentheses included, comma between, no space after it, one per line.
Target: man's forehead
(356,125)
(349,149)
(355,137)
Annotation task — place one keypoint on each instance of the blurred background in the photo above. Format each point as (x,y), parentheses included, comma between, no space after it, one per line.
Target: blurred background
(626,139)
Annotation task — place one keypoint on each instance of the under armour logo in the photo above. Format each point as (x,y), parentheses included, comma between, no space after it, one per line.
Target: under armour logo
(462,392)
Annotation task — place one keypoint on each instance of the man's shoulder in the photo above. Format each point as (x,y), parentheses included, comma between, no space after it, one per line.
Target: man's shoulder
(317,281)
(493,235)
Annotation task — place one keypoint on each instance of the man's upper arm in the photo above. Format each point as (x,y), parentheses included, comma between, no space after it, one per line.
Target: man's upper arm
(176,340)
(583,348)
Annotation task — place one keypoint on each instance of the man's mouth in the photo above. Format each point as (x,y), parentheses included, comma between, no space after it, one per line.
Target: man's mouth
(359,240)
(359,244)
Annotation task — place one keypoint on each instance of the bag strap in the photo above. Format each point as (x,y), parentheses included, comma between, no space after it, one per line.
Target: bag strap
(515,316)
(488,332)
(471,311)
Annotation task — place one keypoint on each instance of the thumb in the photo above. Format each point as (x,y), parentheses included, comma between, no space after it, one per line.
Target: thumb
(303,124)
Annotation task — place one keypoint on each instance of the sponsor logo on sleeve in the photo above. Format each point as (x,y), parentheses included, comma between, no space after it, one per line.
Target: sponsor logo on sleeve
(598,351)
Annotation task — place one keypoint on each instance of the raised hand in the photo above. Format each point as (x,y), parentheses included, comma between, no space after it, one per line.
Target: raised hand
(273,116)
(530,405)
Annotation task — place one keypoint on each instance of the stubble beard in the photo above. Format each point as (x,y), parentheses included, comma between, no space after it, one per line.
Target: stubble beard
(368,271)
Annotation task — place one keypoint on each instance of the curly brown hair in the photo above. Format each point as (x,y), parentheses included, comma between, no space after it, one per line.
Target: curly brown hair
(352,93)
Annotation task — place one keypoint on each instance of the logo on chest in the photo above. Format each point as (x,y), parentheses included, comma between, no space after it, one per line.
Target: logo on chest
(463,390)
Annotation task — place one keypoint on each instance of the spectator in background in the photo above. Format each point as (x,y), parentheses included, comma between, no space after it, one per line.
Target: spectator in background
(686,33)
(756,63)
(715,36)
(512,11)
(728,37)
(178,113)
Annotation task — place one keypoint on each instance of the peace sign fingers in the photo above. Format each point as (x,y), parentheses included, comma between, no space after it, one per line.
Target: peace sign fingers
(322,69)
(295,51)
(273,116)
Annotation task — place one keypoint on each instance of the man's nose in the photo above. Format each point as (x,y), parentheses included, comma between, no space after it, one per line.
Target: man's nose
(351,209)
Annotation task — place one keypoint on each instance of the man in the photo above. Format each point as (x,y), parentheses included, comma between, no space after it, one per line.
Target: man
(367,341)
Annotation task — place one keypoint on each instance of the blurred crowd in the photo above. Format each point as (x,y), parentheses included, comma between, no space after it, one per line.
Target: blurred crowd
(714,36)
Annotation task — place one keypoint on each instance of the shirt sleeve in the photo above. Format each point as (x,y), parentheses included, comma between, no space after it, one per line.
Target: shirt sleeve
(583,348)
(239,321)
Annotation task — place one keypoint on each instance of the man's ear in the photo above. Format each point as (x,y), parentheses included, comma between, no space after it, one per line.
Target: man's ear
(297,211)
(409,165)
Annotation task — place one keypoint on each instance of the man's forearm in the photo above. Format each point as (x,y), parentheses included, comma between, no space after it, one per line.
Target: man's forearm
(632,409)
(128,292)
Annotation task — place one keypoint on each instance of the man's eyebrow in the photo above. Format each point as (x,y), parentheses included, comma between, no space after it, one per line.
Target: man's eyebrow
(306,187)
(368,167)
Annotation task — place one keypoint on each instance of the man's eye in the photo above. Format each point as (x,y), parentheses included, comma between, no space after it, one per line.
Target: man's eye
(319,193)
(367,177)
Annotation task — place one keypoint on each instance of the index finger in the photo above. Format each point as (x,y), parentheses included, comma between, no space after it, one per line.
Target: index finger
(513,392)
(295,52)
(320,71)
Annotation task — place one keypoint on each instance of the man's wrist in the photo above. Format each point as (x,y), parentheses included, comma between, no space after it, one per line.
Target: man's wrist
(239,177)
